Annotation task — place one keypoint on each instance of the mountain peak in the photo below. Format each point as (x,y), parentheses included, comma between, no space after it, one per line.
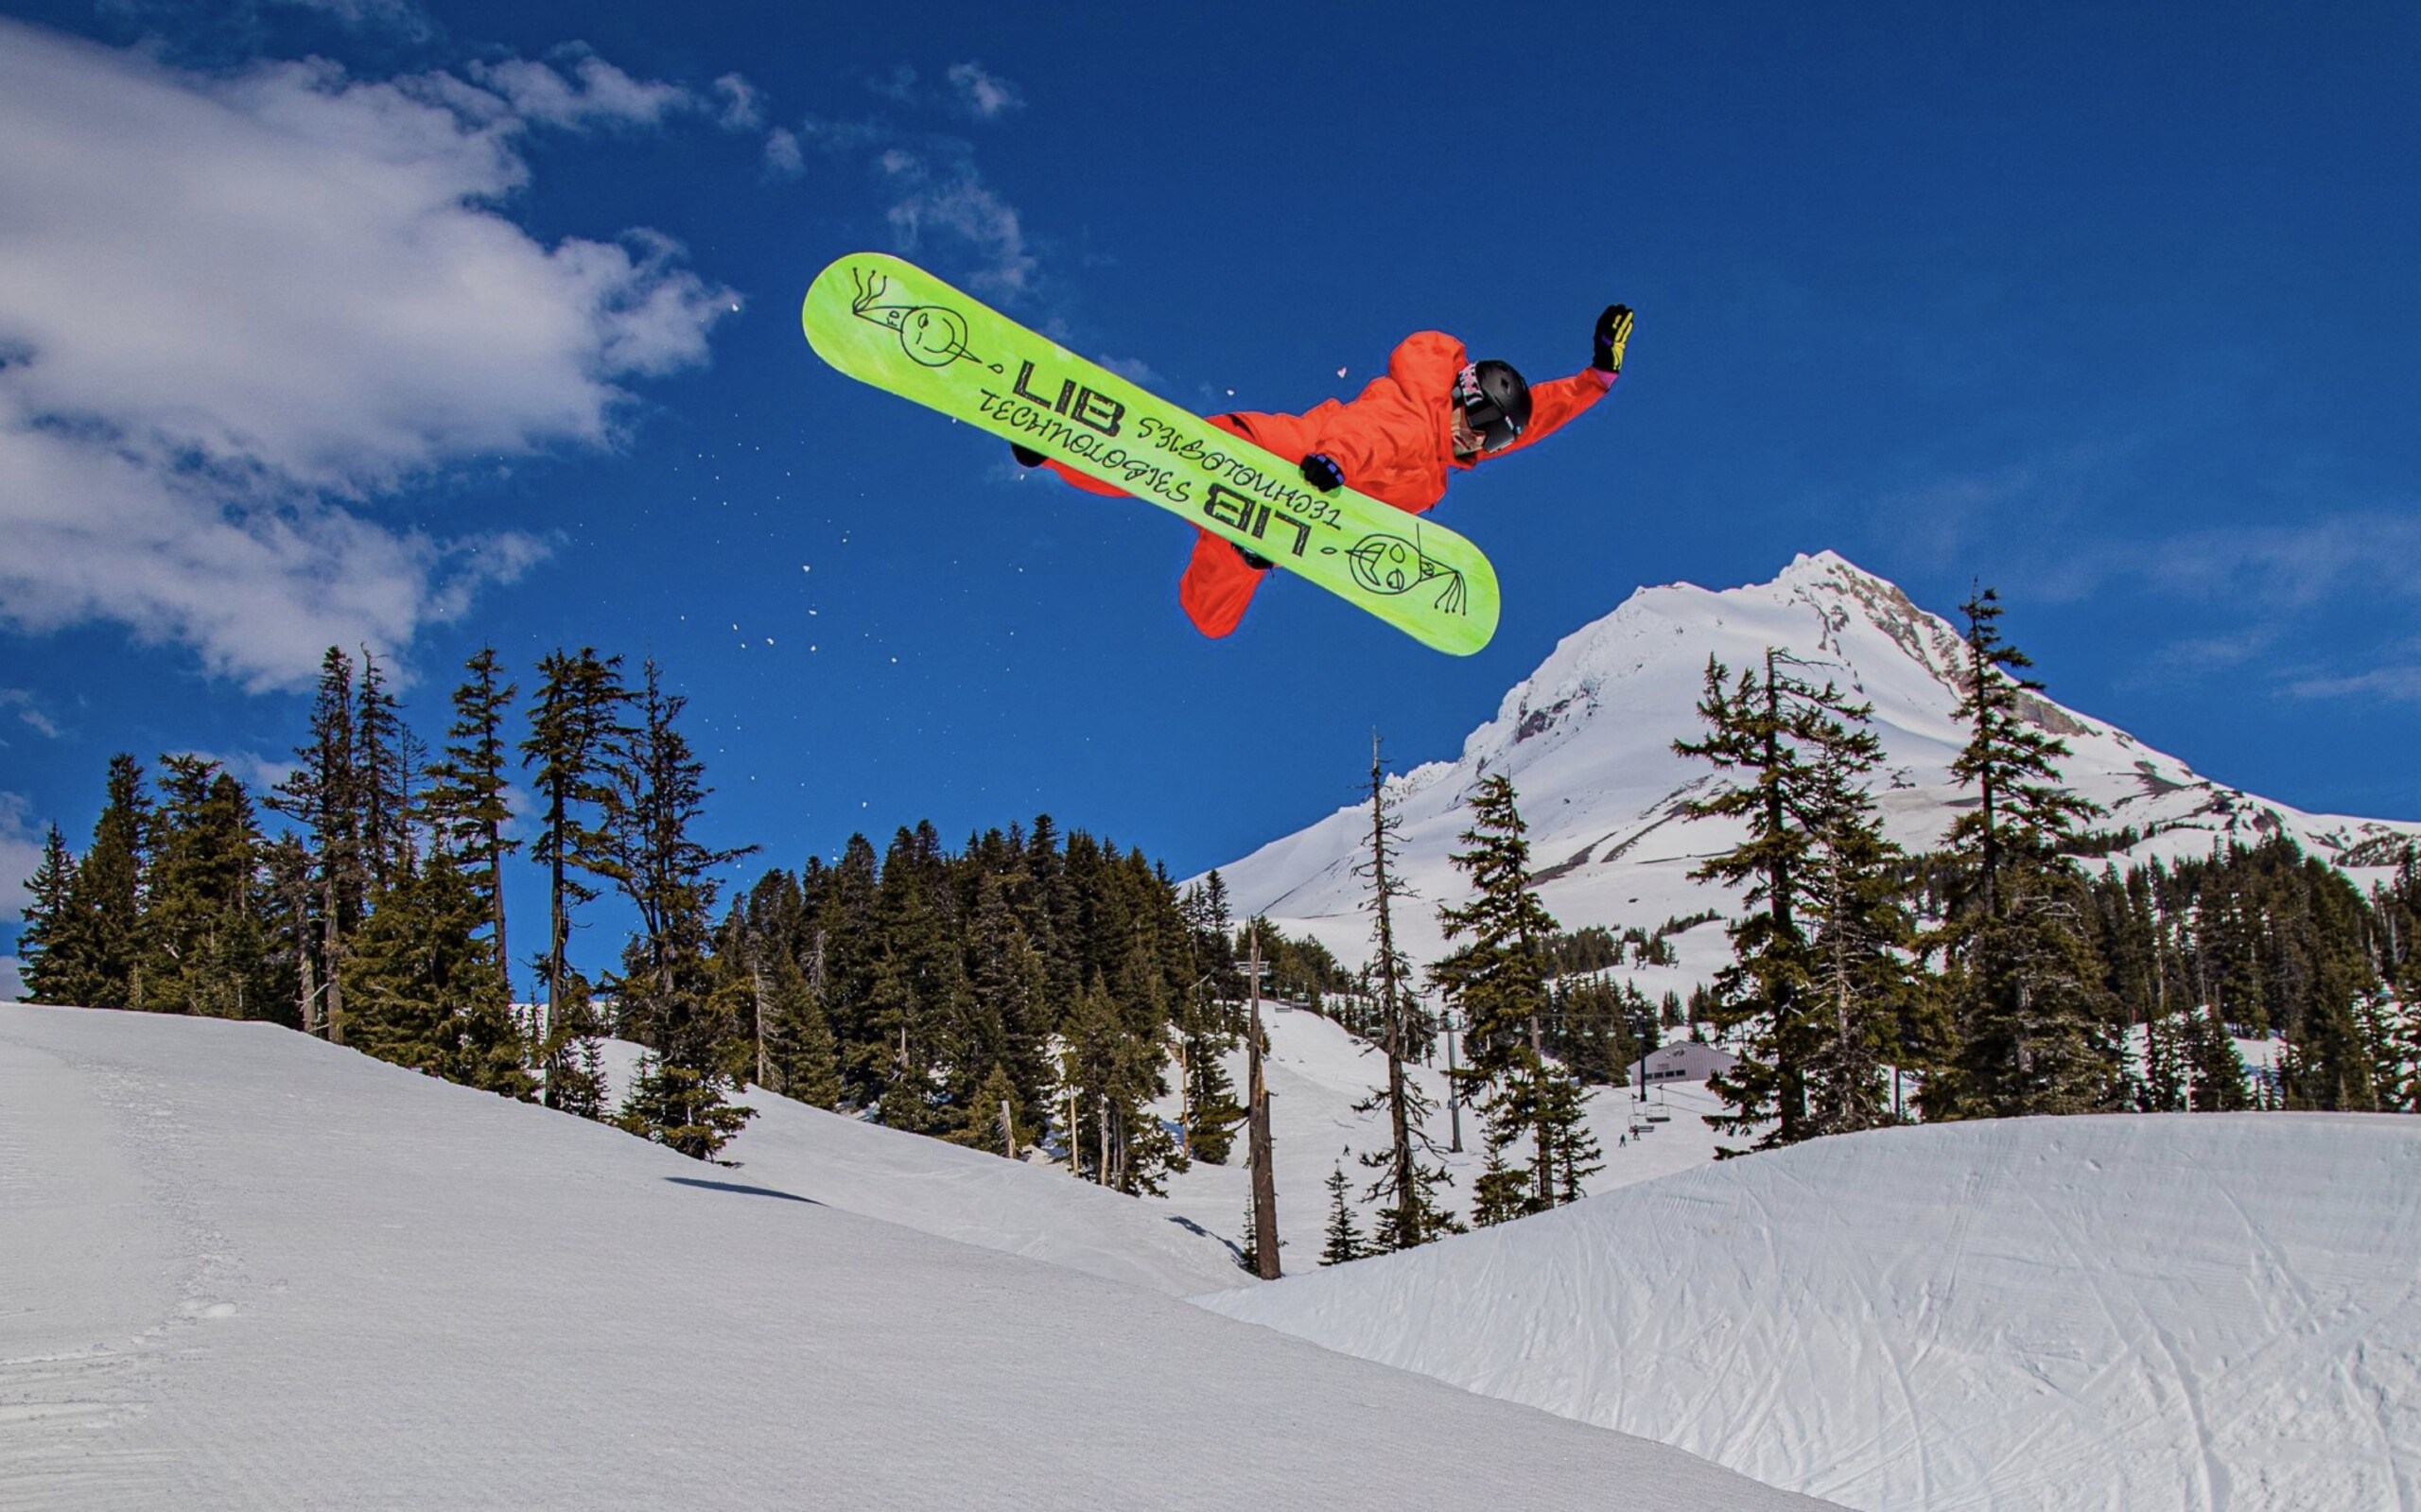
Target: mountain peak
(1588,737)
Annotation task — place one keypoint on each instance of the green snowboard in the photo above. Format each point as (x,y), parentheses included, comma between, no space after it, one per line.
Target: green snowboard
(891,324)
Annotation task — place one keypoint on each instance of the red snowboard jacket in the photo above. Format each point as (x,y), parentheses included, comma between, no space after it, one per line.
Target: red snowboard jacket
(1395,441)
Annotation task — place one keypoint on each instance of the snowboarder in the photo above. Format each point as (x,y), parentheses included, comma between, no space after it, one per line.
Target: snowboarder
(1435,411)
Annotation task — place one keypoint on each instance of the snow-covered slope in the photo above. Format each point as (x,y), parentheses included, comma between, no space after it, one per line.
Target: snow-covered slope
(1588,740)
(977,1198)
(2205,1313)
(1317,1071)
(240,1268)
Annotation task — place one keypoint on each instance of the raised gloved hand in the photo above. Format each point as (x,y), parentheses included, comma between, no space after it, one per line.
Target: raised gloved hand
(1613,333)
(1026,457)
(1321,472)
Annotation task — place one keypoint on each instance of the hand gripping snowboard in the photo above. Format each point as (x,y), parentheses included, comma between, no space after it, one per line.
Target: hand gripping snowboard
(891,324)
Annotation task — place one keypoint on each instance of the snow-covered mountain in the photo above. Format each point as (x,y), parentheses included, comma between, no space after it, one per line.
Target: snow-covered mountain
(2209,1313)
(243,1268)
(1588,740)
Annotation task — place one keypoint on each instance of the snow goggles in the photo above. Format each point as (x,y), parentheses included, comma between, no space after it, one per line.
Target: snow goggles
(1495,428)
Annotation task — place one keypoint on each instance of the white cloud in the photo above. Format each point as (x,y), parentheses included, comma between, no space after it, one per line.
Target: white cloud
(743,104)
(2293,566)
(945,195)
(783,157)
(2401,685)
(28,711)
(586,91)
(2209,653)
(257,772)
(986,97)
(1134,370)
(399,18)
(12,983)
(235,311)
(900,85)
(969,88)
(934,191)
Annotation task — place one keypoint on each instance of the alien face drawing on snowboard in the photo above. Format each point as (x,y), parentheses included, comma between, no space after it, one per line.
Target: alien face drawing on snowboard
(1391,565)
(931,333)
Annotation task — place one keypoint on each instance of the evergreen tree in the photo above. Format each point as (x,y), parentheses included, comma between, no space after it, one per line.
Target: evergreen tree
(992,1123)
(1498,983)
(2160,1085)
(1207,1024)
(1345,1243)
(2031,1008)
(1112,1076)
(2217,1067)
(647,846)
(920,993)
(385,757)
(681,1107)
(1501,1192)
(323,796)
(1564,1116)
(1819,981)
(49,918)
(1410,1167)
(2391,1035)
(291,935)
(806,1063)
(423,985)
(575,716)
(466,794)
(575,1079)
(1867,997)
(1009,985)
(1596,1027)
(203,946)
(96,951)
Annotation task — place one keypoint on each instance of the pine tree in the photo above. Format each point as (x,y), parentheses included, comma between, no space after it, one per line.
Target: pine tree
(1819,979)
(203,946)
(649,848)
(2031,1011)
(384,757)
(575,1079)
(291,932)
(1501,1192)
(95,950)
(1498,982)
(576,714)
(423,985)
(49,919)
(466,797)
(991,1122)
(1866,997)
(2217,1067)
(681,1107)
(1112,1076)
(323,796)
(1206,1024)
(1345,1243)
(1009,983)
(1410,1167)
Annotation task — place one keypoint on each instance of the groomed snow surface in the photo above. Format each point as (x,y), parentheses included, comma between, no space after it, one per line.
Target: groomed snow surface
(1191,1240)
(240,1268)
(2120,1314)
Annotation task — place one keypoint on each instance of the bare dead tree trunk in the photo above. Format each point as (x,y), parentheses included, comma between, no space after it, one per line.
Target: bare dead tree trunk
(1265,1179)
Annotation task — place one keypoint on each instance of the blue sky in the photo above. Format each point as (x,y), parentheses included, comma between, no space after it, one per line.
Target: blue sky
(433,325)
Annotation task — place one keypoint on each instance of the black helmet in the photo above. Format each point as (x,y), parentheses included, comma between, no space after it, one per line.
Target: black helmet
(1495,401)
